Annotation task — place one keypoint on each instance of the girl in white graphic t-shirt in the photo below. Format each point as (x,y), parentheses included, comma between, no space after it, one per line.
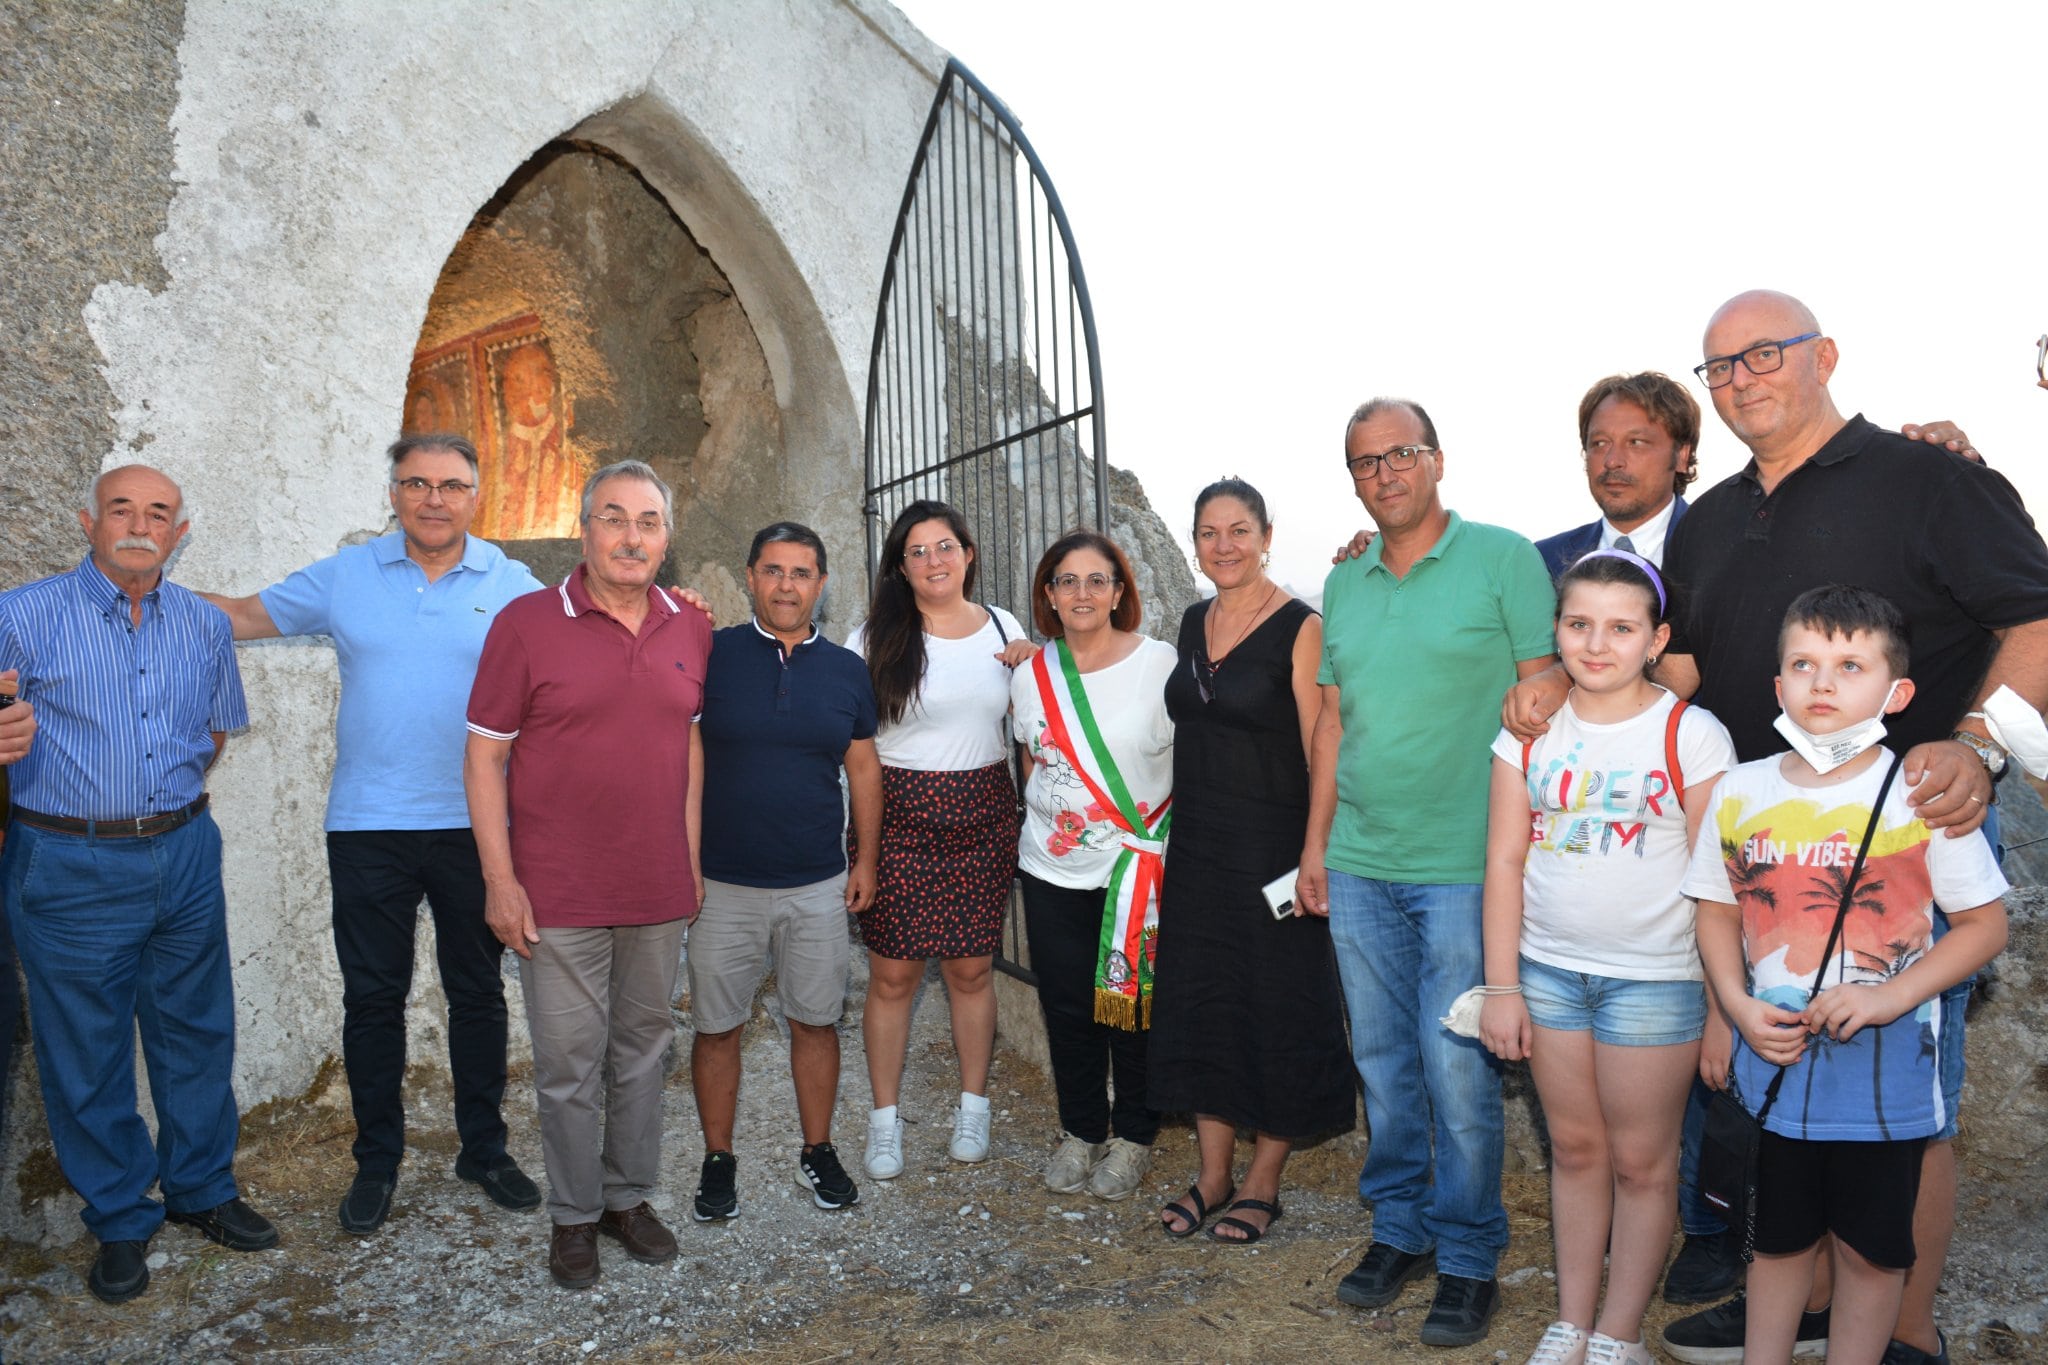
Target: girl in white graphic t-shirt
(1591,970)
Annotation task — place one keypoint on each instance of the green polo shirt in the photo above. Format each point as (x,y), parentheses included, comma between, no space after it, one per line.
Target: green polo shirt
(1421,663)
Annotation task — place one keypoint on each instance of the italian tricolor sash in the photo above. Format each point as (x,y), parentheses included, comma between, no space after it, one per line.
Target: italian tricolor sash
(1130,912)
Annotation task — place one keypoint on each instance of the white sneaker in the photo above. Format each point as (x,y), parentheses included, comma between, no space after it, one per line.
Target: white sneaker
(1121,1171)
(885,1148)
(1068,1171)
(1605,1350)
(970,1136)
(1562,1344)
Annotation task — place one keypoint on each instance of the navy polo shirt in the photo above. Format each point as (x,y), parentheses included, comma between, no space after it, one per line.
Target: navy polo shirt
(776,729)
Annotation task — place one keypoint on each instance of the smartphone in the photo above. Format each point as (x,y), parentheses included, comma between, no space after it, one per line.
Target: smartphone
(1280,893)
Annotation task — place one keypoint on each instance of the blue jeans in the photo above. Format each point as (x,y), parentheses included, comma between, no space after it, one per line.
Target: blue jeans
(1405,952)
(112,934)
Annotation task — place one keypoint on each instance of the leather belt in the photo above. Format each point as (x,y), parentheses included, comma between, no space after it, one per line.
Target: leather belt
(146,827)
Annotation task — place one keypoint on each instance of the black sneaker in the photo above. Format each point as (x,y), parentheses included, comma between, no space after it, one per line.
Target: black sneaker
(1714,1337)
(1463,1311)
(717,1194)
(1707,1269)
(1899,1353)
(1380,1273)
(818,1170)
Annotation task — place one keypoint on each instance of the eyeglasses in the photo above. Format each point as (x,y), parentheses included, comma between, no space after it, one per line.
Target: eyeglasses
(1067,584)
(1719,371)
(1399,459)
(945,549)
(2041,360)
(419,488)
(775,573)
(647,526)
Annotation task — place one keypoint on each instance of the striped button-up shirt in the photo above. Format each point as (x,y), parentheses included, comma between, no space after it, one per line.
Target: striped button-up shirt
(124,713)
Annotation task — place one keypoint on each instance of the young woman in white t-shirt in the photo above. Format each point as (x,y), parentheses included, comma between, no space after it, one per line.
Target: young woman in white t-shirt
(940,663)
(1591,969)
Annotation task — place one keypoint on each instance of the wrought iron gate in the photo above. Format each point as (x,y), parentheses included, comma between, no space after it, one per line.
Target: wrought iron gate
(984,385)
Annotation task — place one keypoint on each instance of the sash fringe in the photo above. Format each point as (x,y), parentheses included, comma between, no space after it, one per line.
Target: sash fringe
(1121,1011)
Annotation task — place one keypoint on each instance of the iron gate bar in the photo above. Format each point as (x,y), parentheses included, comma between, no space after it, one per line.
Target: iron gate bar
(1037,430)
(971,339)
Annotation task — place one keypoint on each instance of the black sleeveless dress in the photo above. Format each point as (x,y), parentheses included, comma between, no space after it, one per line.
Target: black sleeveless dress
(1247,1013)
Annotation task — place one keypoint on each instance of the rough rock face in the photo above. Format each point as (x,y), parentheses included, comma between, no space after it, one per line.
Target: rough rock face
(1158,553)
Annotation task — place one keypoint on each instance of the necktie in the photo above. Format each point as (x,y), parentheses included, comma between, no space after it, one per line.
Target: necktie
(1623,543)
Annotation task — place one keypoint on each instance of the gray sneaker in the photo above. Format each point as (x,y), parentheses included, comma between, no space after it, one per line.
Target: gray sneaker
(1071,1164)
(1119,1174)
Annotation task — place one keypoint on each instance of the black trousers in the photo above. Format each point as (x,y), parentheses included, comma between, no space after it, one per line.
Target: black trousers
(1064,927)
(379,878)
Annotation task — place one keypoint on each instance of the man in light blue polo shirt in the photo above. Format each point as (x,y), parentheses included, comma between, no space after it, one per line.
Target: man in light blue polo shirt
(408,613)
(1415,633)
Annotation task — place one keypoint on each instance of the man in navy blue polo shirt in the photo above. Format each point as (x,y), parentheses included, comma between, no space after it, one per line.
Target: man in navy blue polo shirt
(408,613)
(784,710)
(112,879)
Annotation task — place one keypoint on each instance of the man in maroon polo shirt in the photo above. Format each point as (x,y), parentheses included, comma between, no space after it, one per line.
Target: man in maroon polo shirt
(584,777)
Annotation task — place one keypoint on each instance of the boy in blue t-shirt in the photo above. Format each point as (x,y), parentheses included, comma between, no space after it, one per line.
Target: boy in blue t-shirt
(1861,1095)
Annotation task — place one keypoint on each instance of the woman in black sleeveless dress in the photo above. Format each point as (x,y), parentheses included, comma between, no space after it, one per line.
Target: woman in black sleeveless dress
(1247,1014)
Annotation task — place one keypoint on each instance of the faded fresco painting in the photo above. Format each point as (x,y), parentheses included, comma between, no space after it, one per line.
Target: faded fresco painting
(499,386)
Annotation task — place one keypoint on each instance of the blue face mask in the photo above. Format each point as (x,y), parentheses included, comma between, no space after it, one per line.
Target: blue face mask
(1829,752)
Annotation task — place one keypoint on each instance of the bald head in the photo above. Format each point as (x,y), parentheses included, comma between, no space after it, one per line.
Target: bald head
(1786,316)
(1784,414)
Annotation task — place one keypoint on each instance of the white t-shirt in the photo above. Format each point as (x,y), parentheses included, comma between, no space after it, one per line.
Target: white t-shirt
(1607,850)
(955,722)
(1067,840)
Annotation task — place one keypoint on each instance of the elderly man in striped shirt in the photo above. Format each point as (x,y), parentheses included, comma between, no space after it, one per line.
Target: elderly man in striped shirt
(111,877)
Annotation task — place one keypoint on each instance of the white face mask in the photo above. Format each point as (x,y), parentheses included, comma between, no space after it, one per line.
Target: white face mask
(1829,752)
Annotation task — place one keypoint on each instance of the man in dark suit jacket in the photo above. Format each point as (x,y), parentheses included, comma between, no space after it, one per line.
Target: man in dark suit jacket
(1640,434)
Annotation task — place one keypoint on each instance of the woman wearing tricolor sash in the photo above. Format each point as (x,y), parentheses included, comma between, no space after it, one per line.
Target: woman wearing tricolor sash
(1090,712)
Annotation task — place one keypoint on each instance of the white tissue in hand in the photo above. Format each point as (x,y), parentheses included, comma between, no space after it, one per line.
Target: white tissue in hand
(2018,728)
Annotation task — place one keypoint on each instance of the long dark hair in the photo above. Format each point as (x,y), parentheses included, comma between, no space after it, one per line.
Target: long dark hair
(894,636)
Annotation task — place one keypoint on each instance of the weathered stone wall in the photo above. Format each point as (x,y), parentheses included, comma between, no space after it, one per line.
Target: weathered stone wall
(85,182)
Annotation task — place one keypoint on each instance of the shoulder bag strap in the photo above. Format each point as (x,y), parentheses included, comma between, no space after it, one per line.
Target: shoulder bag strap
(1672,769)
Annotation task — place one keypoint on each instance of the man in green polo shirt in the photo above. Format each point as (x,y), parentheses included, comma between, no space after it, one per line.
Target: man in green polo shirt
(1420,635)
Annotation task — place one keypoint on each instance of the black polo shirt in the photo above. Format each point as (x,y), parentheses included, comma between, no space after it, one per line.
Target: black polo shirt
(1947,540)
(776,729)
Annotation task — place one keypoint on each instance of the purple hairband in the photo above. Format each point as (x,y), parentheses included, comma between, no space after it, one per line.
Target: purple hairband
(1656,579)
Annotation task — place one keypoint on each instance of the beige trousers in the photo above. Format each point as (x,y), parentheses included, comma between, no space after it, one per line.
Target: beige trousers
(597,1007)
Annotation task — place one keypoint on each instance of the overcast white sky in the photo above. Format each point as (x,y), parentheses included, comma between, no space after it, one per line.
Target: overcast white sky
(1286,208)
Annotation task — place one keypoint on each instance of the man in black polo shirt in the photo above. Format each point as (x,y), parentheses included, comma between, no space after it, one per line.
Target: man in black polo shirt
(1828,499)
(784,710)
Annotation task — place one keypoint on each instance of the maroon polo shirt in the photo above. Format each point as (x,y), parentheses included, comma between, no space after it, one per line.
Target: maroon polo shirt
(599,720)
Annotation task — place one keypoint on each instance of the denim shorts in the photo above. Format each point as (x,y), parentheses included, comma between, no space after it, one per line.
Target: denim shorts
(1617,1011)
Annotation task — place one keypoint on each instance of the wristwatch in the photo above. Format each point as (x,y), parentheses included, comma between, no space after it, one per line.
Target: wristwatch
(1993,756)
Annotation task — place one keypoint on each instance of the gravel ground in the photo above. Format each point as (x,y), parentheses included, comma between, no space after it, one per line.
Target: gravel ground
(945,1263)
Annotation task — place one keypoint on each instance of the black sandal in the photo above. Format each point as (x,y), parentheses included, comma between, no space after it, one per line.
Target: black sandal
(1192,1217)
(1251,1233)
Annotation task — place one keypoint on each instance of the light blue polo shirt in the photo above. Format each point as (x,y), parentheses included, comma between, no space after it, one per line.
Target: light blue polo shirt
(408,650)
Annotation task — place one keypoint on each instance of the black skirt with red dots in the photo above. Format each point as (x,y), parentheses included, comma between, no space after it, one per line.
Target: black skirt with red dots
(949,854)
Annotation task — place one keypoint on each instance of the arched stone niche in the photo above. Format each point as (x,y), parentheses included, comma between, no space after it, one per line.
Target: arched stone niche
(578,322)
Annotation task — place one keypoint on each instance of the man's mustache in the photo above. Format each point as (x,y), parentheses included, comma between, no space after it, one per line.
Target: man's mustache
(632,552)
